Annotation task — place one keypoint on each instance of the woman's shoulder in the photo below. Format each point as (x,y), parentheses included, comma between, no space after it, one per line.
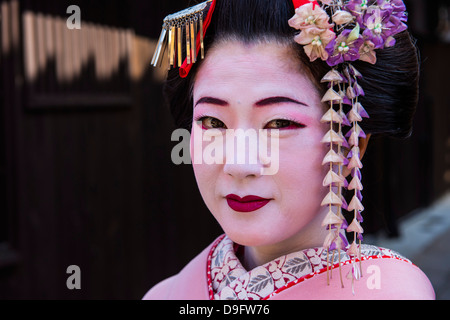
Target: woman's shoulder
(190,283)
(161,290)
(393,275)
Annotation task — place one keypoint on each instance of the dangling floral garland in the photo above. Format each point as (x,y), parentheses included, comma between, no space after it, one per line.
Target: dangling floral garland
(340,32)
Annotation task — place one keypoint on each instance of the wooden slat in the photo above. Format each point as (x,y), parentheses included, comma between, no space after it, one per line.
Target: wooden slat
(57,59)
(30,55)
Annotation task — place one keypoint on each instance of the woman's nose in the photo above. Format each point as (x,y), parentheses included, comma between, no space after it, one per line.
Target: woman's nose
(242,158)
(242,171)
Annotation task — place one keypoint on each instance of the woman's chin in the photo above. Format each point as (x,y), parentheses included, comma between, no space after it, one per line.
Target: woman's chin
(253,238)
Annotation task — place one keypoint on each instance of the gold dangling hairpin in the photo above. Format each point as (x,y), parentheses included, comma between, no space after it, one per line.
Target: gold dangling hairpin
(186,27)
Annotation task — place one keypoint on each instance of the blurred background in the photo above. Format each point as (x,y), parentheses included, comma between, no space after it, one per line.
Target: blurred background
(86,176)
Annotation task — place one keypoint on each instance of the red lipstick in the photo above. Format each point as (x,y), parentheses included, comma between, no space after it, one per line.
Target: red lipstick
(247,203)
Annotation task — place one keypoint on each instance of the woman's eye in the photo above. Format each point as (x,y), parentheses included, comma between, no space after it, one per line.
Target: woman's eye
(283,124)
(212,123)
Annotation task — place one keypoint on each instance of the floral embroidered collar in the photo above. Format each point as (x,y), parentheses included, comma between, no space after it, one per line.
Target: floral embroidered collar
(229,280)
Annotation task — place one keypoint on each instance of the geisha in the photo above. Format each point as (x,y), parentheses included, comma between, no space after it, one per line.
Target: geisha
(325,76)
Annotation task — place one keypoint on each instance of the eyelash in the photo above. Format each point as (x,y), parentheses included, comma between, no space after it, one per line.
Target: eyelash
(203,117)
(294,123)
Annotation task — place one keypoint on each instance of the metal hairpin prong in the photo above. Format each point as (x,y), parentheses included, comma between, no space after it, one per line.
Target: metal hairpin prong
(159,46)
(170,48)
(188,44)
(202,46)
(193,40)
(179,51)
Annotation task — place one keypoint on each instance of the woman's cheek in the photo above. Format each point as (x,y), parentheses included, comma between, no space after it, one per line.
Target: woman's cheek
(301,159)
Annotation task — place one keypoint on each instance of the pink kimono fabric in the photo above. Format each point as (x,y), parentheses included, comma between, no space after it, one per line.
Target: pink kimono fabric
(216,274)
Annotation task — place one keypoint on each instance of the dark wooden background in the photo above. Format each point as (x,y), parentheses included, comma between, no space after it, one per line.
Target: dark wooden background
(86,176)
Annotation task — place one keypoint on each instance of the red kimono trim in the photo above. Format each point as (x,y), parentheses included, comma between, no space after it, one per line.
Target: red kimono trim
(227,278)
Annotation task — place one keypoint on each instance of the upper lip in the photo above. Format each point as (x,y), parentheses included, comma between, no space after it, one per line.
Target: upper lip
(248,198)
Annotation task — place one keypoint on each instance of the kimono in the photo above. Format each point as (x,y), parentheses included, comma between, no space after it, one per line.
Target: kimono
(217,274)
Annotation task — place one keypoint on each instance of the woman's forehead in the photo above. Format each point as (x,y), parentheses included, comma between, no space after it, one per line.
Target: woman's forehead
(234,63)
(258,55)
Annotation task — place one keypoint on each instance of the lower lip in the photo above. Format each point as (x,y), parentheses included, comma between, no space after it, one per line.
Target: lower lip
(247,206)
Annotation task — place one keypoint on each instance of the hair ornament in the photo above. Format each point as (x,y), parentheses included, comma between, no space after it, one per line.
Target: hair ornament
(184,29)
(340,32)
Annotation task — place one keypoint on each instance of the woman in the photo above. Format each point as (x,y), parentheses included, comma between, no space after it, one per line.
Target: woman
(298,72)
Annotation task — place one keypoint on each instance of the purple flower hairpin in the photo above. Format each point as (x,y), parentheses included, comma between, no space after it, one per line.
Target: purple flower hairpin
(352,27)
(340,32)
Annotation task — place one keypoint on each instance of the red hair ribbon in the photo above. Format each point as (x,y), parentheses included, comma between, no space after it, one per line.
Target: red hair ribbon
(298,3)
(185,67)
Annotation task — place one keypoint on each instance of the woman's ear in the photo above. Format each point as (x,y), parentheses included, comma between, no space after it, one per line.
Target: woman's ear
(363,142)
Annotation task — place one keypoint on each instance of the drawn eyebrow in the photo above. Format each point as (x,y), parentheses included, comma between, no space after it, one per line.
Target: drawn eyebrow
(261,103)
(279,99)
(211,100)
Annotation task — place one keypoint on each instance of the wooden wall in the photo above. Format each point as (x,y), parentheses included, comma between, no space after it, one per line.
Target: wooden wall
(88,178)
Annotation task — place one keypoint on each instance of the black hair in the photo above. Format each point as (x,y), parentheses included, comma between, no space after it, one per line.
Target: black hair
(390,85)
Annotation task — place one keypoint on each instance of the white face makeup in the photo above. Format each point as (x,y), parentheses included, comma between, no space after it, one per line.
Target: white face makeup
(262,87)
